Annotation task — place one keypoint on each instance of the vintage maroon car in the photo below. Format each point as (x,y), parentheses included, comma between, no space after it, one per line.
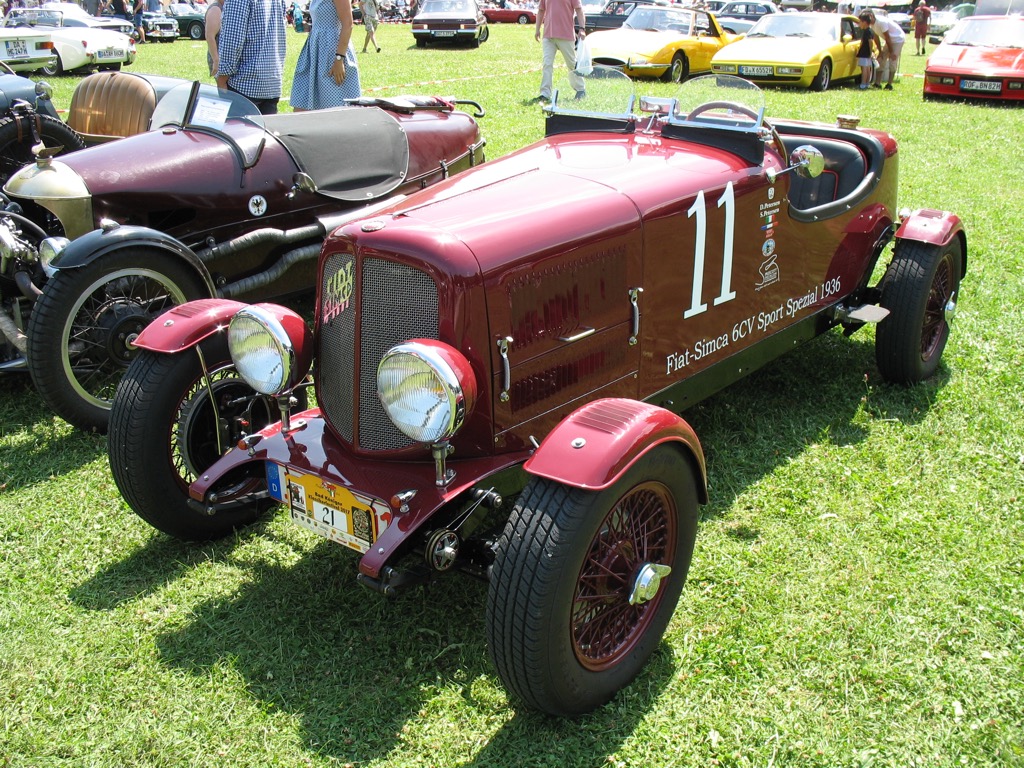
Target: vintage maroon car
(981,57)
(500,361)
(220,201)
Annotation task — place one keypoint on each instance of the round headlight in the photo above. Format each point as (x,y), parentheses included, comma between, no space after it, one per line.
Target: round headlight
(426,388)
(50,248)
(265,347)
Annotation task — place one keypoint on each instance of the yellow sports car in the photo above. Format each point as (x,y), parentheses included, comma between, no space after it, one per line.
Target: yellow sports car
(804,49)
(669,42)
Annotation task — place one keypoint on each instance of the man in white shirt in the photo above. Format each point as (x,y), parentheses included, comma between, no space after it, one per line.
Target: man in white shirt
(891,39)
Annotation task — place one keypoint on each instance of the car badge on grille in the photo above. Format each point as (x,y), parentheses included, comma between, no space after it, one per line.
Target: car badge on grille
(337,292)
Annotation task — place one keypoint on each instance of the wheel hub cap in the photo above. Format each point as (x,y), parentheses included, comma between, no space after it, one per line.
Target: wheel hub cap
(647,582)
(949,311)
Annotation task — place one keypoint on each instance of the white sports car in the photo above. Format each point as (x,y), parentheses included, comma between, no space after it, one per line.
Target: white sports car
(26,50)
(77,47)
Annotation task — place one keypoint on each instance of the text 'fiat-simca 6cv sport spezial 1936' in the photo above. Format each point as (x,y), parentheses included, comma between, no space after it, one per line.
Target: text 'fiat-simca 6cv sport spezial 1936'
(499,363)
(216,200)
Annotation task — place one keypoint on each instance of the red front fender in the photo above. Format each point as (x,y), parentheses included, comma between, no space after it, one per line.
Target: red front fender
(185,325)
(927,225)
(598,442)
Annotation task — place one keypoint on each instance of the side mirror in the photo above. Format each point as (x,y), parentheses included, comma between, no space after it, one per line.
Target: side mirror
(806,160)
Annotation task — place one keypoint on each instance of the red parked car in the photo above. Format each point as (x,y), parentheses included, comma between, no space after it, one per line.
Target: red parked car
(500,361)
(979,58)
(509,14)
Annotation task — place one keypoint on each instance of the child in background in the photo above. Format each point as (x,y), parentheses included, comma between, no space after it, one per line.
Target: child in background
(865,53)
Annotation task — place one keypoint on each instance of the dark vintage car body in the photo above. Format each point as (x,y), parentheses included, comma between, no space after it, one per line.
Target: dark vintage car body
(449,21)
(15,88)
(614,14)
(191,21)
(196,208)
(160,26)
(500,362)
(982,57)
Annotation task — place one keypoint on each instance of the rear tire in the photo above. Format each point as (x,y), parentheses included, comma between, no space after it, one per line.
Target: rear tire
(164,433)
(920,290)
(196,31)
(55,69)
(560,628)
(81,328)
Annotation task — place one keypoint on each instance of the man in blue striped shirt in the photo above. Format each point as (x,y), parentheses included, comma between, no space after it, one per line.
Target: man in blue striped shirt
(251,51)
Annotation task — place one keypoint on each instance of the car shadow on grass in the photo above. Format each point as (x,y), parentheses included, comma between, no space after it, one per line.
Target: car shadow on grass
(826,391)
(364,673)
(35,445)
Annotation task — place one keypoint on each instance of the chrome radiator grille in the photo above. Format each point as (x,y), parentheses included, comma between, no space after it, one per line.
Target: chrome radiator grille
(394,303)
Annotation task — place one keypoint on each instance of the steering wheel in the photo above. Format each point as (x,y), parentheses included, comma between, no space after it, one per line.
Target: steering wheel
(743,110)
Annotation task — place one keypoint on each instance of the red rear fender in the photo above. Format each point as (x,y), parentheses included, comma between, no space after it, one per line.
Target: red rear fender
(598,442)
(186,325)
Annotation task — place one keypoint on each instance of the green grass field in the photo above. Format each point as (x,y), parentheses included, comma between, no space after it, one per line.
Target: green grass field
(856,596)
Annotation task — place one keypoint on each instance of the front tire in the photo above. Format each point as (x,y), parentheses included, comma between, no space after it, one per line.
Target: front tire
(82,326)
(920,289)
(678,70)
(561,630)
(196,31)
(16,140)
(523,19)
(165,431)
(823,79)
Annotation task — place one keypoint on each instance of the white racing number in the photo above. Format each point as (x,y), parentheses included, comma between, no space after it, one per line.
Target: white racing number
(699,210)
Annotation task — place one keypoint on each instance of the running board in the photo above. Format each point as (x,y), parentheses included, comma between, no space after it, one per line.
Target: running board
(866,313)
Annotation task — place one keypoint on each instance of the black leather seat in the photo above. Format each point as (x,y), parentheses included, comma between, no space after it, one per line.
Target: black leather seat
(845,168)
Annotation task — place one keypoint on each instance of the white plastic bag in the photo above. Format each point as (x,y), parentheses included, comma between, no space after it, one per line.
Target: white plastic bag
(584,64)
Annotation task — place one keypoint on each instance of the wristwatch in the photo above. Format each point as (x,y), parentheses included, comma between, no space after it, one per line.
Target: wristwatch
(339,57)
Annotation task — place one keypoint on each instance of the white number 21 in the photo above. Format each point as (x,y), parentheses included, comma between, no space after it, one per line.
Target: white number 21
(728,199)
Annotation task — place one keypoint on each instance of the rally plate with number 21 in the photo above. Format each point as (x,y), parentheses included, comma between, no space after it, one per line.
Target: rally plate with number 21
(333,511)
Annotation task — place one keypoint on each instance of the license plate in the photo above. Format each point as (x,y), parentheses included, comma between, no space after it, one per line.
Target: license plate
(332,511)
(981,85)
(111,53)
(445,33)
(756,70)
(17,49)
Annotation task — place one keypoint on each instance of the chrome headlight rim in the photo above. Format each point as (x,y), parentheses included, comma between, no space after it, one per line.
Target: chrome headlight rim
(267,327)
(447,403)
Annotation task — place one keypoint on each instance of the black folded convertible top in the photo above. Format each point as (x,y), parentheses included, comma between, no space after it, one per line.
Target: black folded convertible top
(355,154)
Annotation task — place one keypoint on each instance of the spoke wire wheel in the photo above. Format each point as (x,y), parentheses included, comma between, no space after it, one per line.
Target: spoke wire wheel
(561,630)
(935,328)
(111,312)
(639,531)
(163,435)
(82,327)
(198,433)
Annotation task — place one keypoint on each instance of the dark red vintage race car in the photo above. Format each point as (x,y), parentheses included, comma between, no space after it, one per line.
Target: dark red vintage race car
(217,200)
(500,361)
